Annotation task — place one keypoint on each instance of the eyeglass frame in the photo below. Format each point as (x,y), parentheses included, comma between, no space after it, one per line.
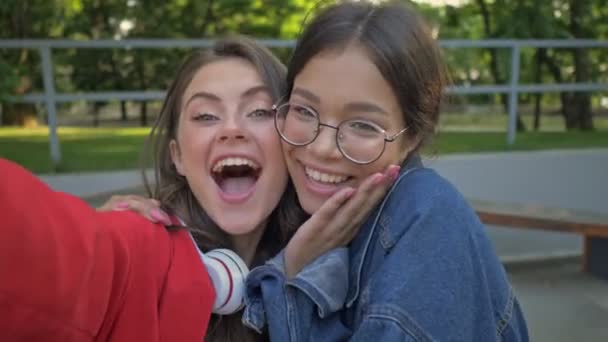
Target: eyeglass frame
(275,109)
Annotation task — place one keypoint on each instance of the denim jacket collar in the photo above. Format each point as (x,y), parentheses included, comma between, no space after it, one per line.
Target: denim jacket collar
(363,240)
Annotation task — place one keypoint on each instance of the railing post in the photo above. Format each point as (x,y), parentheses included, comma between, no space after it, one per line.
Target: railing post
(513,94)
(49,99)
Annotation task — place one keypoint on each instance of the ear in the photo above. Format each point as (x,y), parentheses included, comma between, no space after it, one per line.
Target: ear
(411,144)
(176,156)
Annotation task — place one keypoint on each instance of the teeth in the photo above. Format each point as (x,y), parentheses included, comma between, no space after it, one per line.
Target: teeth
(234,161)
(324,177)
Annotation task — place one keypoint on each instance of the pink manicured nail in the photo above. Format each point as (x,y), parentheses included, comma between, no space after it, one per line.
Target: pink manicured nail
(378,178)
(349,193)
(122,205)
(393,173)
(159,216)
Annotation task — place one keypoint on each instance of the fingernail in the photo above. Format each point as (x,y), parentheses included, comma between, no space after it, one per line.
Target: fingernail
(158,215)
(378,178)
(393,173)
(349,193)
(122,205)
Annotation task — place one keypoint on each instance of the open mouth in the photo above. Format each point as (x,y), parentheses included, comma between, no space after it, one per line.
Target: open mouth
(236,176)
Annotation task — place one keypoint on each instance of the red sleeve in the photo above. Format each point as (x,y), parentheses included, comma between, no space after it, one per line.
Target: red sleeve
(68,273)
(52,283)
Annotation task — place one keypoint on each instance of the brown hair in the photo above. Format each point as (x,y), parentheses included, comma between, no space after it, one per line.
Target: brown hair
(399,43)
(173,191)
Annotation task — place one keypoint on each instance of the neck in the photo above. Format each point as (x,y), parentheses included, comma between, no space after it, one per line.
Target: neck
(245,245)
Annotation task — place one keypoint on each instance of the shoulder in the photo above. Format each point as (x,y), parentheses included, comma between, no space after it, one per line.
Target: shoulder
(438,259)
(423,189)
(133,230)
(423,200)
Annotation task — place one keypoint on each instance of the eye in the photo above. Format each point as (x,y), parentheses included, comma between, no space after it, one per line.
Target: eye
(260,113)
(361,127)
(303,113)
(204,117)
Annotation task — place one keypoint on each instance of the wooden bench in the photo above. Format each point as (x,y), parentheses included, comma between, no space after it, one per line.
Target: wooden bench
(592,226)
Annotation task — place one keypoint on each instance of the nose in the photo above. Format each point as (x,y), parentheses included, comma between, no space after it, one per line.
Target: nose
(324,146)
(232,129)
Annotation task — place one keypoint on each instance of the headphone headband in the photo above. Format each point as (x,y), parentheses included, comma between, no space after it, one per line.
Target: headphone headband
(227,272)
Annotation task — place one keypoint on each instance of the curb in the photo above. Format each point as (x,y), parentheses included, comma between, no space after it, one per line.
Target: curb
(534,260)
(99,198)
(517,154)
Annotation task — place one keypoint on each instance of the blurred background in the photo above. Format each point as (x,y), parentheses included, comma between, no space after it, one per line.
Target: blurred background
(471,122)
(526,123)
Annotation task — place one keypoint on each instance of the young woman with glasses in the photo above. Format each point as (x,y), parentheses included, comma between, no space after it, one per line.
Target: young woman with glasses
(364,88)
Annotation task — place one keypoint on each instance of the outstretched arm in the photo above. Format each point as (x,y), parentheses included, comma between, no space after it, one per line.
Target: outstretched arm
(52,283)
(70,273)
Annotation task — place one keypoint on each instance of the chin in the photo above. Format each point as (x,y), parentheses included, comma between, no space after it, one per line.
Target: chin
(235,224)
(237,228)
(309,203)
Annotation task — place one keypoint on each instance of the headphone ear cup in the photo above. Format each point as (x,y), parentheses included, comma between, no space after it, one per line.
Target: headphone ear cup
(228,273)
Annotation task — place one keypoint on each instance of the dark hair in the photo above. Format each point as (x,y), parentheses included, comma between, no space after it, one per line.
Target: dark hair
(398,42)
(173,191)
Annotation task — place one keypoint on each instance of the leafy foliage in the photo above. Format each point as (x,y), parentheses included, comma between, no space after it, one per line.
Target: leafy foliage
(152,69)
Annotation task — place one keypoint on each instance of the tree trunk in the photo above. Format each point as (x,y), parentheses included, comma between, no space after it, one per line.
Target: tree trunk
(123,111)
(538,96)
(143,113)
(96,109)
(494,68)
(581,100)
(143,109)
(209,18)
(20,114)
(20,26)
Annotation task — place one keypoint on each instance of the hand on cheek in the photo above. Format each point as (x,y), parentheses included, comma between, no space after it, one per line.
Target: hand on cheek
(338,220)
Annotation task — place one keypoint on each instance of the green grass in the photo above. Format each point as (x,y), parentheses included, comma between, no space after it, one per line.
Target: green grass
(82,149)
(486,121)
(471,142)
(97,149)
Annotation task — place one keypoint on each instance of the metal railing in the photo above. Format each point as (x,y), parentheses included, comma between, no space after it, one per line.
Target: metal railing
(512,88)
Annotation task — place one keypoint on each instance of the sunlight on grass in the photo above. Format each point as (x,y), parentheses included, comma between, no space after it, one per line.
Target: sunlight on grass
(481,122)
(73,131)
(114,148)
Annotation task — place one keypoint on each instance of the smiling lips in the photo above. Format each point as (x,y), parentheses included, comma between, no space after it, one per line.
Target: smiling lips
(323,177)
(236,178)
(323,183)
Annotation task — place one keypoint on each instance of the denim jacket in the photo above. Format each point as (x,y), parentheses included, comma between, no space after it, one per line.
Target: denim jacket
(420,269)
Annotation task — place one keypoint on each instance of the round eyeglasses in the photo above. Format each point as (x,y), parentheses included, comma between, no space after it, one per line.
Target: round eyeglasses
(360,141)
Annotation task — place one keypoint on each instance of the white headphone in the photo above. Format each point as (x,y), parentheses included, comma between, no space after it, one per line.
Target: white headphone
(227,272)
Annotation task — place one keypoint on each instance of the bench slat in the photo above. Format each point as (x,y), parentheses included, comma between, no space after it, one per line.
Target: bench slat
(541,217)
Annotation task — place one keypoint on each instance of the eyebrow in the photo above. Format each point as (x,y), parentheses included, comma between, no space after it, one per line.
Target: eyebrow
(306,94)
(212,97)
(365,107)
(255,90)
(204,95)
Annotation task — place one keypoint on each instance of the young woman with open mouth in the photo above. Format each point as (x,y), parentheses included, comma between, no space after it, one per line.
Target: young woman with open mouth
(69,273)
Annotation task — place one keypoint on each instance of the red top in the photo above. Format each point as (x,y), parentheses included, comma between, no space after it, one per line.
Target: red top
(69,273)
